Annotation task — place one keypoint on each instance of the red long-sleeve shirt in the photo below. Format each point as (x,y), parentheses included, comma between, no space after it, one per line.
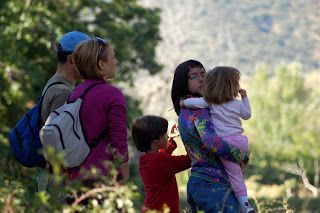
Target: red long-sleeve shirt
(158,171)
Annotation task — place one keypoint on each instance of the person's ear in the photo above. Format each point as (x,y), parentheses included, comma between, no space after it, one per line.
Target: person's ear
(71,59)
(100,64)
(155,141)
(153,144)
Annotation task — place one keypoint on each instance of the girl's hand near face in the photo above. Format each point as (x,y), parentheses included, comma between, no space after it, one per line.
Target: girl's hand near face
(243,93)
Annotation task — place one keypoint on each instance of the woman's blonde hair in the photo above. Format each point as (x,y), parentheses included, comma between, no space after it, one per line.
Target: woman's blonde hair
(221,85)
(87,56)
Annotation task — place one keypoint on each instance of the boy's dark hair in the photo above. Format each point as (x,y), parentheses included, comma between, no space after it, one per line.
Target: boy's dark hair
(68,43)
(62,58)
(146,129)
(179,87)
(62,55)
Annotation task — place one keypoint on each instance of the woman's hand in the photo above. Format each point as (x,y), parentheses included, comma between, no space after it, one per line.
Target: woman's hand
(124,173)
(181,103)
(244,162)
(245,159)
(243,166)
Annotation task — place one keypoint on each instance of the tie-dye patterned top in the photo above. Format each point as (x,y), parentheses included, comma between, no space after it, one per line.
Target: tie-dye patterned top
(204,147)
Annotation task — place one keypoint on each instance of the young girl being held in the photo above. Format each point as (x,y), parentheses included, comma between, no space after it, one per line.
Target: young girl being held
(221,87)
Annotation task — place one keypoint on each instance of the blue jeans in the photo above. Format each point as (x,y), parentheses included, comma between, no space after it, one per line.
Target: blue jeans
(210,197)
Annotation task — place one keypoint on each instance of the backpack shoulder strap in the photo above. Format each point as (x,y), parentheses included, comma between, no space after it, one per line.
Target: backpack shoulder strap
(105,132)
(97,140)
(41,99)
(82,96)
(54,83)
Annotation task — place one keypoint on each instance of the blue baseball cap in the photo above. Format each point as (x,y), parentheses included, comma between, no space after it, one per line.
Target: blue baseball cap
(69,41)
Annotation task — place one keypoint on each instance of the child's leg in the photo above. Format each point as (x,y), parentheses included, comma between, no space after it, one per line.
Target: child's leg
(235,176)
(234,171)
(238,185)
(238,141)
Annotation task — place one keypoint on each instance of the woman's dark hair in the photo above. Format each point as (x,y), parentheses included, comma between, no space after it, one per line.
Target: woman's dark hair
(180,87)
(146,129)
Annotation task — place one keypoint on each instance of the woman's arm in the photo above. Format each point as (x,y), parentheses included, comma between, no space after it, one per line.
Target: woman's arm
(118,141)
(219,147)
(124,171)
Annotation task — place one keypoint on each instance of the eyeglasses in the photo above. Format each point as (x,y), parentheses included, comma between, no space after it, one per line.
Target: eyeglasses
(101,43)
(196,76)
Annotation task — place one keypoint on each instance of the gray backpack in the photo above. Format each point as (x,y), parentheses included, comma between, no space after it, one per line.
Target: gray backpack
(63,132)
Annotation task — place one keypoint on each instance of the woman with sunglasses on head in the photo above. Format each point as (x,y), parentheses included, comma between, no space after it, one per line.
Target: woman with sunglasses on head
(208,186)
(103,110)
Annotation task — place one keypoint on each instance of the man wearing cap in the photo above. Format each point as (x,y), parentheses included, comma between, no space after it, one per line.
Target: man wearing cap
(67,73)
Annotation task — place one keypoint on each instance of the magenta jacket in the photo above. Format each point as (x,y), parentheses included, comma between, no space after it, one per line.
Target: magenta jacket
(103,107)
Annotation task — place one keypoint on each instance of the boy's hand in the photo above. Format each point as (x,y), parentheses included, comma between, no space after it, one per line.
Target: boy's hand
(171,143)
(171,146)
(243,93)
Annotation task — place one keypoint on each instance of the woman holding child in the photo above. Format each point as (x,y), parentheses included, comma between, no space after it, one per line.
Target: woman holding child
(208,187)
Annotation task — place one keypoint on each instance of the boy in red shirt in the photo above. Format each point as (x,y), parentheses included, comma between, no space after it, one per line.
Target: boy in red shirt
(157,166)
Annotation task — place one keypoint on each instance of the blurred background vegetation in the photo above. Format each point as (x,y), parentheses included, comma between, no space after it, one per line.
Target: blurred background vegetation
(275,44)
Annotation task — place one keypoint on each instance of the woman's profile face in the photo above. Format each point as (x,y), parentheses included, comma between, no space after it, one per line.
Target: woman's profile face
(109,66)
(195,79)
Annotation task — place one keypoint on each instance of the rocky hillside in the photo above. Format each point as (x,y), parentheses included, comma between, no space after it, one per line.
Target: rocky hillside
(228,32)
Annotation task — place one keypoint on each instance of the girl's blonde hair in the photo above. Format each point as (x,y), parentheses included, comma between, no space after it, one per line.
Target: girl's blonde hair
(221,85)
(87,56)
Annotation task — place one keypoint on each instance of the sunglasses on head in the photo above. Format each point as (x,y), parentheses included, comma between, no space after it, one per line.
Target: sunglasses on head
(102,43)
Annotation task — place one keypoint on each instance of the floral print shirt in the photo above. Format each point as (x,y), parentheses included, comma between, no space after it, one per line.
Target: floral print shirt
(204,147)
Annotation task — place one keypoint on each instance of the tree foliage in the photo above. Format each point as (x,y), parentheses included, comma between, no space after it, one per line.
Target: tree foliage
(29,31)
(284,130)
